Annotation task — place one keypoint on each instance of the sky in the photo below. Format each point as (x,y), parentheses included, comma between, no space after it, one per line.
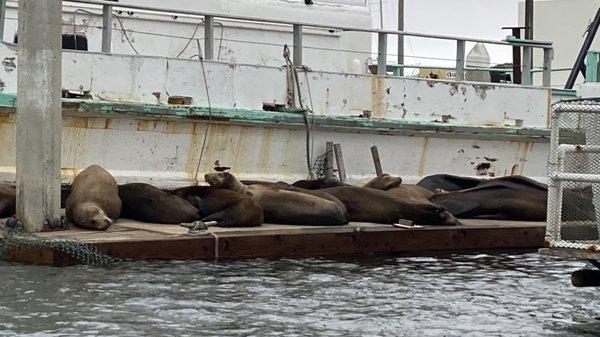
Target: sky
(468,18)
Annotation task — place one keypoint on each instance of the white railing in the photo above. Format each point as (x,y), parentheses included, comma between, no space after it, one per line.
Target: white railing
(527,46)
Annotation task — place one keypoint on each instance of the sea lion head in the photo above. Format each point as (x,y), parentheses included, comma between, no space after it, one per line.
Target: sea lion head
(91,216)
(384,182)
(220,179)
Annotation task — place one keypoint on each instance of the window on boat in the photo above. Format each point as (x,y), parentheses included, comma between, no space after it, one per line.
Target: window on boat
(69,41)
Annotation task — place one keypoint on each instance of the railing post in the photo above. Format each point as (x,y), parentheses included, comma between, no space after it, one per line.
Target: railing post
(460,60)
(382,54)
(2,16)
(107,28)
(547,74)
(297,45)
(527,78)
(209,32)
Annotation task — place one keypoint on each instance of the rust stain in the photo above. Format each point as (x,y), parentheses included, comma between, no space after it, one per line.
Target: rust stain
(143,125)
(264,150)
(75,122)
(6,118)
(107,123)
(68,171)
(523,149)
(378,96)
(423,158)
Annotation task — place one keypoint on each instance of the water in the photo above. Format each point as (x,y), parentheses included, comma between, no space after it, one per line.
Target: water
(476,295)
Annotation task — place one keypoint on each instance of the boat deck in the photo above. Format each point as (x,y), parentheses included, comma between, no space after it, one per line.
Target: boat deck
(128,239)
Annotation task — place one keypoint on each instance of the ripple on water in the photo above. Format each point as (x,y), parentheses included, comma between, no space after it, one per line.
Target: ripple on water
(473,295)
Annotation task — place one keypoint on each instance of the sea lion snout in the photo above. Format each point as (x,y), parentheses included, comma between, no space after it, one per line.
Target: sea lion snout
(384,182)
(218,179)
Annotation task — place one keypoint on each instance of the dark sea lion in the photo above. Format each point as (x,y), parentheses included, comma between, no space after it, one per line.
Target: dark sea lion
(226,208)
(281,204)
(144,202)
(448,182)
(94,200)
(8,200)
(506,198)
(371,205)
(514,198)
(317,184)
(393,185)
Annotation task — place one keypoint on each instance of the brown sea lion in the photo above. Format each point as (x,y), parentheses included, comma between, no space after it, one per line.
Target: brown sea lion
(283,205)
(371,205)
(8,195)
(144,202)
(226,208)
(393,185)
(318,184)
(94,200)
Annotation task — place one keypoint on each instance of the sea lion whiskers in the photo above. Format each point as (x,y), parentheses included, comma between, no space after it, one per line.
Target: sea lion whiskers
(227,181)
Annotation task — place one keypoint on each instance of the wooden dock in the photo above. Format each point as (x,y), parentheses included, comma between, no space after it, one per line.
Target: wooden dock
(127,239)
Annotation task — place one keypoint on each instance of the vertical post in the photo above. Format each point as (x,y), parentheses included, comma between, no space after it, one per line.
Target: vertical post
(547,71)
(38,137)
(460,60)
(529,19)
(382,54)
(516,31)
(591,66)
(339,159)
(209,33)
(329,160)
(2,18)
(527,79)
(579,64)
(376,161)
(297,45)
(107,28)
(400,36)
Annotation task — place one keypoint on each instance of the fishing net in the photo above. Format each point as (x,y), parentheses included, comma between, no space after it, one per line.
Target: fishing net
(12,236)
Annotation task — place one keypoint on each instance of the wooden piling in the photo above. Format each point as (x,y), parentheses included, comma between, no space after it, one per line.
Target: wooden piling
(339,159)
(329,160)
(376,161)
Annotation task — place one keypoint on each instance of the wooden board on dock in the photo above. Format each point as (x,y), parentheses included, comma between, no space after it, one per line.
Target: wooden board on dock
(135,240)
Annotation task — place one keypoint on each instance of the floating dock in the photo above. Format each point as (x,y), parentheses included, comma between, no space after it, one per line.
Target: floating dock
(132,240)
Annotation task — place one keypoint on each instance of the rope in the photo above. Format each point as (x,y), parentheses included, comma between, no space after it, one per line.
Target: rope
(125,33)
(292,67)
(209,120)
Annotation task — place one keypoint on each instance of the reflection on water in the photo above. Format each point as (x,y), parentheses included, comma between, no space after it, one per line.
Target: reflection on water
(476,295)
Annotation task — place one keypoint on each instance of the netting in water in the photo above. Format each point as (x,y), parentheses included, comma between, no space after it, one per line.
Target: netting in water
(12,237)
(574,176)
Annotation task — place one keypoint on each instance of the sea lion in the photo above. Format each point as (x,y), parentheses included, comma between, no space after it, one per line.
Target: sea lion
(144,202)
(514,198)
(448,182)
(226,208)
(284,205)
(94,200)
(393,185)
(371,205)
(317,184)
(8,200)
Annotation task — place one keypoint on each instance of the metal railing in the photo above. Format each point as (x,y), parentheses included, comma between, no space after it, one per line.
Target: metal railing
(297,28)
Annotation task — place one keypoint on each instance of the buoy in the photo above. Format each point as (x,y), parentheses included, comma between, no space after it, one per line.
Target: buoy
(586,278)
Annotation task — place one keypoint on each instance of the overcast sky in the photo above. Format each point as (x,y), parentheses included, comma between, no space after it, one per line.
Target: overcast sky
(469,18)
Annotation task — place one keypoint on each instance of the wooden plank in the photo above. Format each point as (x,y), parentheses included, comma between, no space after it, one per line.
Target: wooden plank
(329,160)
(376,160)
(577,254)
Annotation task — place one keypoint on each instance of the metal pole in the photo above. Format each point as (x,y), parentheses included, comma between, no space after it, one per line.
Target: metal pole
(209,32)
(339,159)
(381,14)
(529,19)
(39,110)
(382,54)
(329,160)
(579,62)
(107,28)
(2,18)
(527,79)
(460,60)
(547,74)
(401,37)
(297,45)
(376,160)
(516,58)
